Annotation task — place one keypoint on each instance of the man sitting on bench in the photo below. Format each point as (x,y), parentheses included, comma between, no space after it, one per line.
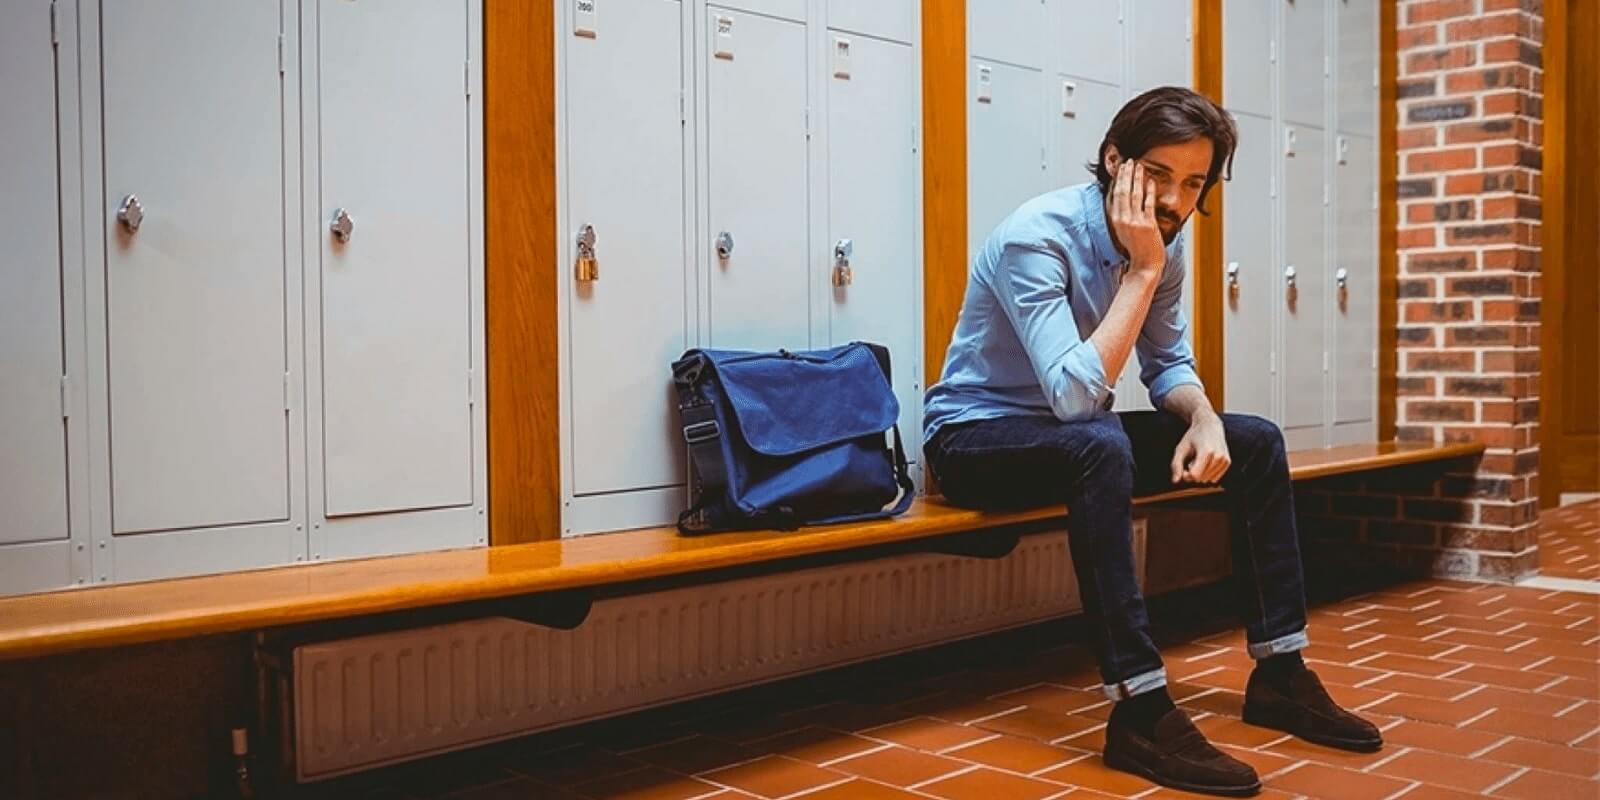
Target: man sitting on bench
(1059,296)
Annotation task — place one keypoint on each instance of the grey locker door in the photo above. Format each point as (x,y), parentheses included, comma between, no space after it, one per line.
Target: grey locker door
(1303,54)
(625,176)
(1010,31)
(396,315)
(1356,76)
(872,184)
(1252,284)
(33,435)
(1005,144)
(1161,55)
(758,189)
(1355,308)
(194,128)
(888,19)
(1248,30)
(1080,113)
(1304,350)
(1086,39)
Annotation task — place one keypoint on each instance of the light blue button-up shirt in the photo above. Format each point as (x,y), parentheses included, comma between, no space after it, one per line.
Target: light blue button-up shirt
(1040,285)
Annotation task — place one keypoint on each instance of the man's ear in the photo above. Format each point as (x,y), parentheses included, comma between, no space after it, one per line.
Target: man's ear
(1113,159)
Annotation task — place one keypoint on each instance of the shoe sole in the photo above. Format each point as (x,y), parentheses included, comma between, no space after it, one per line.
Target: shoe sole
(1133,768)
(1352,745)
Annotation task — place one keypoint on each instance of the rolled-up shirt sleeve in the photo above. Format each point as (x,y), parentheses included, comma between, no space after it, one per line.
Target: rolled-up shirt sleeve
(1165,358)
(1030,284)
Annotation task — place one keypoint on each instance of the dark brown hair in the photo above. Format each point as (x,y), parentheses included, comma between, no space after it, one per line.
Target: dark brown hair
(1170,115)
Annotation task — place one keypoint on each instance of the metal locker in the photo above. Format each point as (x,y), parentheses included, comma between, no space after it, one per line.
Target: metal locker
(1008,31)
(625,189)
(1161,53)
(756,146)
(1080,114)
(395,256)
(1252,285)
(1354,282)
(1303,286)
(34,456)
(1303,54)
(793,10)
(1006,148)
(196,264)
(1356,76)
(33,452)
(887,19)
(1248,31)
(872,208)
(1086,39)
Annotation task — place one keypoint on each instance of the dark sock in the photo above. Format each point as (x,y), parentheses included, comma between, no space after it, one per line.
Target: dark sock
(1141,711)
(1280,667)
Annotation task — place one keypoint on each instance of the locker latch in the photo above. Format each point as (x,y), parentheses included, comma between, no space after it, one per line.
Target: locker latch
(588,264)
(724,245)
(842,274)
(131,213)
(1233,280)
(342,225)
(1293,291)
(1341,280)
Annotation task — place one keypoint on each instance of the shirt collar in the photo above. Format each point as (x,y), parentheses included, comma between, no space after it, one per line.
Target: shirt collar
(1105,250)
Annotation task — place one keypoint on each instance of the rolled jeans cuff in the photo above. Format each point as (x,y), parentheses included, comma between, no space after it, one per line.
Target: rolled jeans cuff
(1283,644)
(1136,685)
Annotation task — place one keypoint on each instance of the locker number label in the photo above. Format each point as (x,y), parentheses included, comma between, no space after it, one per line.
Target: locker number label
(723,47)
(841,57)
(985,84)
(583,19)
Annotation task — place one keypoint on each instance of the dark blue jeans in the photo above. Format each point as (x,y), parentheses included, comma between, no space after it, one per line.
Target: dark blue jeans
(1096,467)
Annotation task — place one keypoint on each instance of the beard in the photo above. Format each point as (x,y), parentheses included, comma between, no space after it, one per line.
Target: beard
(1170,225)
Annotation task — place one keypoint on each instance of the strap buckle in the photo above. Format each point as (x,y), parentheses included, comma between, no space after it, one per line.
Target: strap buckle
(701,432)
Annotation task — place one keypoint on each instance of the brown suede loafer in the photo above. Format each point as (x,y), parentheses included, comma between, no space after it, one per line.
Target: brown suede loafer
(1179,757)
(1302,707)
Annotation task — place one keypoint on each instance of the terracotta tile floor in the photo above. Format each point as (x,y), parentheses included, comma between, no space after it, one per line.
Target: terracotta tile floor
(1482,690)
(1569,541)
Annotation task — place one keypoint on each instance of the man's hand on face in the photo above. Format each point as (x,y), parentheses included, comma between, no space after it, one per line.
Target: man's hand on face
(1202,456)
(1133,217)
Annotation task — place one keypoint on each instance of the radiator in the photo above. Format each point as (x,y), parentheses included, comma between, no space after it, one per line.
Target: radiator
(368,701)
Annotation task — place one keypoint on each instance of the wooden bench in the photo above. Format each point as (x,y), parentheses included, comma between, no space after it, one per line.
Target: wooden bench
(46,624)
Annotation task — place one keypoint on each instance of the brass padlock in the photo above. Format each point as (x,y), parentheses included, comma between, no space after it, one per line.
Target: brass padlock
(588,269)
(842,274)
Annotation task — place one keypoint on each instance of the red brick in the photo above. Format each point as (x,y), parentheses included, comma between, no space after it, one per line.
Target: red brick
(1417,138)
(1453,211)
(1480,285)
(1492,79)
(1439,411)
(1441,160)
(1440,361)
(1421,35)
(1493,130)
(1415,237)
(1418,288)
(1415,337)
(1472,30)
(1505,180)
(1508,514)
(1490,234)
(1421,387)
(1432,311)
(1512,155)
(1511,259)
(1495,361)
(1480,335)
(1444,58)
(1495,436)
(1497,411)
(1435,10)
(1491,6)
(1441,261)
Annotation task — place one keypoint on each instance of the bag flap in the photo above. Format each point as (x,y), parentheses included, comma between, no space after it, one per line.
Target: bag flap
(787,403)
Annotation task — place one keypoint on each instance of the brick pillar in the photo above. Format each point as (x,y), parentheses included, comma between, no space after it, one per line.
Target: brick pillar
(1469,95)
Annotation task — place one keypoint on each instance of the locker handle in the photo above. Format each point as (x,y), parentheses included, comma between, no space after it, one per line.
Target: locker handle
(131,213)
(342,225)
(1288,276)
(1233,274)
(1342,278)
(724,245)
